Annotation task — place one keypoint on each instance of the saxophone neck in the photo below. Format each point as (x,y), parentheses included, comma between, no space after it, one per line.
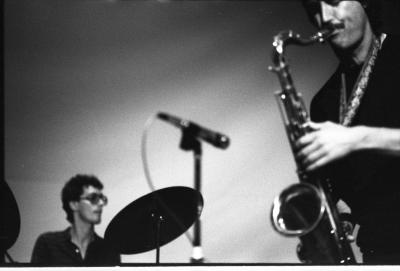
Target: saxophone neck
(288,37)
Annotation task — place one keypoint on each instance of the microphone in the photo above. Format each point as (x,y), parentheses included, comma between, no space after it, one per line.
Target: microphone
(216,139)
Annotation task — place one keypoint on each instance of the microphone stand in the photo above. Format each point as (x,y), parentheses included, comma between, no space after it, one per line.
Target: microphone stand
(190,143)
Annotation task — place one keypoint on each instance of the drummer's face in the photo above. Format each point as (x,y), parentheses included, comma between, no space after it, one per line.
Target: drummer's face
(87,210)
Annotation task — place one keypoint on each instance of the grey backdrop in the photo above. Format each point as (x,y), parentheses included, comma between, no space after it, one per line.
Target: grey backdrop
(82,78)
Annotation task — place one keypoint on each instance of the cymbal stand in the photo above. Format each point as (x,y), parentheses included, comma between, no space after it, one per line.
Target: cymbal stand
(190,143)
(158,221)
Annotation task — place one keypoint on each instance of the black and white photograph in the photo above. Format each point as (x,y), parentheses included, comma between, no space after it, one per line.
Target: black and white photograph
(201,133)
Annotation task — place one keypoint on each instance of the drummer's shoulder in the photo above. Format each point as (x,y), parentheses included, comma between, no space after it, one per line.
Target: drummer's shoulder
(54,236)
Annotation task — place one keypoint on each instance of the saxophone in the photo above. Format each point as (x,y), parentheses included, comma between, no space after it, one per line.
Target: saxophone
(306,209)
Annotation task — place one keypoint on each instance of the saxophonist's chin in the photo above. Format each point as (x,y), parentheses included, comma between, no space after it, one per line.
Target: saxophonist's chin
(347,39)
(336,41)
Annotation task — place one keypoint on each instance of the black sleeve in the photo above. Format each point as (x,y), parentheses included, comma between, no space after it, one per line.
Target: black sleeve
(40,253)
(325,104)
(316,110)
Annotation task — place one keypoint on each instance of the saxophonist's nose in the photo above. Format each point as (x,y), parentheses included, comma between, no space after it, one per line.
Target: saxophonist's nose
(327,14)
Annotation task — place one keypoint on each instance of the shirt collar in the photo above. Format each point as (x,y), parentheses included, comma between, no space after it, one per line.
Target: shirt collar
(66,235)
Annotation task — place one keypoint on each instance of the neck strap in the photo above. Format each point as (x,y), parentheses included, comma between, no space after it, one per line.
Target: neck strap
(348,109)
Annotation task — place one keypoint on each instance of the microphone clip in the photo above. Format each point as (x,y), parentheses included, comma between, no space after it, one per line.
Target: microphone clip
(189,140)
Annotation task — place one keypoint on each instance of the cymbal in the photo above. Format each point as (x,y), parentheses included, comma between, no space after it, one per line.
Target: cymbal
(134,229)
(9,216)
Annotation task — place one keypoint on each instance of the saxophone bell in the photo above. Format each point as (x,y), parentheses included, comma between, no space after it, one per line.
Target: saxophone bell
(297,210)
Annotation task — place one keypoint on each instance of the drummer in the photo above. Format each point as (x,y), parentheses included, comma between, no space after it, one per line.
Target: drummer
(78,245)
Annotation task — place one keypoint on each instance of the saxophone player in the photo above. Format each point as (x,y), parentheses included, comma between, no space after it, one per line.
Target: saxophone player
(355,135)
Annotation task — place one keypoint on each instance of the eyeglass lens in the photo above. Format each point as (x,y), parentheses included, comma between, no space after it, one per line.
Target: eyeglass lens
(95,198)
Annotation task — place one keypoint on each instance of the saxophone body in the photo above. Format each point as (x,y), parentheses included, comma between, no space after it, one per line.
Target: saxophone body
(305,209)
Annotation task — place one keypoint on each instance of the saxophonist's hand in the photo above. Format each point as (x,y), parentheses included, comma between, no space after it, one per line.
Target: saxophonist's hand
(326,143)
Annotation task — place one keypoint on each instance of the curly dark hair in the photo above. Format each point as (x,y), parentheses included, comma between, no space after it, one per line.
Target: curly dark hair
(373,9)
(73,189)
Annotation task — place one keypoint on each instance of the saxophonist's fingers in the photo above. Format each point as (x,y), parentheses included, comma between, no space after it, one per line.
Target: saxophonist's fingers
(313,126)
(307,146)
(308,156)
(304,140)
(317,161)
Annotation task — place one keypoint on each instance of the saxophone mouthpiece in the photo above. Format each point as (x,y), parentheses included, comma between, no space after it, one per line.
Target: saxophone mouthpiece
(334,26)
(328,31)
(339,25)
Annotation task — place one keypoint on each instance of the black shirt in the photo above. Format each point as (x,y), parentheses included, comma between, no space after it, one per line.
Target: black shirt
(369,182)
(56,248)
